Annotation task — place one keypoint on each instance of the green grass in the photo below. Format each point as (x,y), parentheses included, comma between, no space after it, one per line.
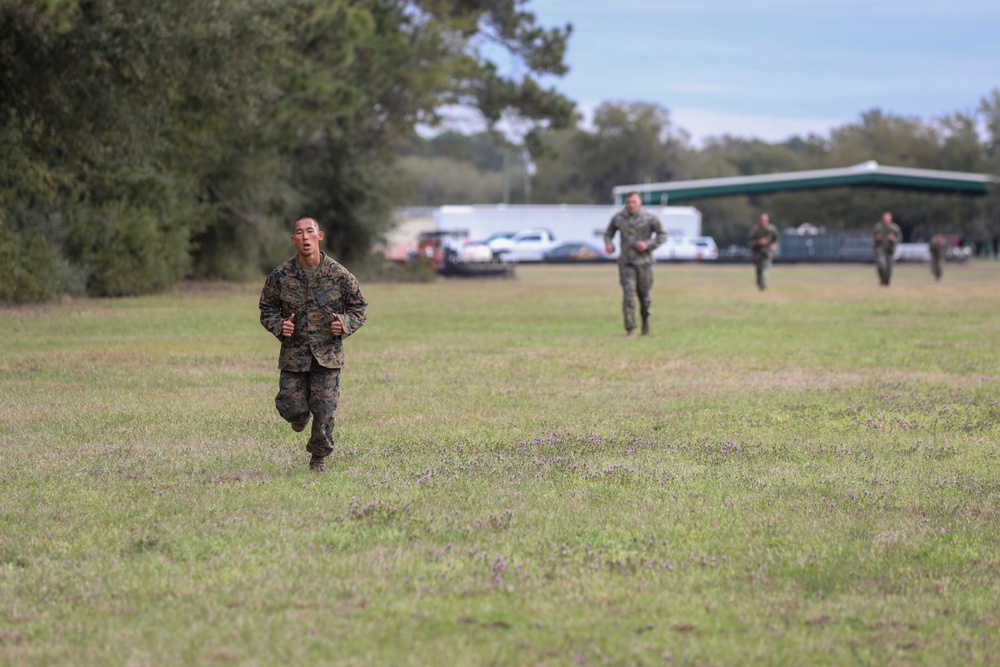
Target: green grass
(805,475)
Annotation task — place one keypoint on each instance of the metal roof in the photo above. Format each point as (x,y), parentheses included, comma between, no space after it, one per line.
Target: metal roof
(869,173)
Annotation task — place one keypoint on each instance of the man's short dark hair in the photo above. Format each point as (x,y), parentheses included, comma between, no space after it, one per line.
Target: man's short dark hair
(631,193)
(304,217)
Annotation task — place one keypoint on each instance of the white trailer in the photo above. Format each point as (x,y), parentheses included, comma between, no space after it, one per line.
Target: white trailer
(566,222)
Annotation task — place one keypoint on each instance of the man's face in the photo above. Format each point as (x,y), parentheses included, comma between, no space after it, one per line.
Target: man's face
(886,219)
(306,237)
(764,219)
(633,203)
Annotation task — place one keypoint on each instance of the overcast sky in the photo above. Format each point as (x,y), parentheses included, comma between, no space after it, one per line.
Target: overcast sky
(774,68)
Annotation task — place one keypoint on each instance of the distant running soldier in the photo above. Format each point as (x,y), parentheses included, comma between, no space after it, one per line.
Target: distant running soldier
(763,240)
(887,235)
(311,303)
(938,247)
(640,232)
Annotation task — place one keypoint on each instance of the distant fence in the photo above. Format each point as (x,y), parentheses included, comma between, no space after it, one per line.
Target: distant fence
(853,247)
(830,247)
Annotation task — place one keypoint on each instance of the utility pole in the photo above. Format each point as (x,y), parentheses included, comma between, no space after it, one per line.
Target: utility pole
(506,175)
(529,171)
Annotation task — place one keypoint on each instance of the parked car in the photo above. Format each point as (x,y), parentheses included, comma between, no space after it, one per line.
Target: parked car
(735,251)
(525,246)
(496,237)
(472,251)
(574,251)
(687,248)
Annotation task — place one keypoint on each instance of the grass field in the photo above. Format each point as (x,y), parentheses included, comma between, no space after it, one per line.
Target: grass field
(809,475)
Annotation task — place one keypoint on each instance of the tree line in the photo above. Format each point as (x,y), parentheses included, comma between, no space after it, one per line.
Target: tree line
(145,141)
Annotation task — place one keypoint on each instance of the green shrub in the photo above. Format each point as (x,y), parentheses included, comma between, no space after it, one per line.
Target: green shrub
(125,251)
(31,274)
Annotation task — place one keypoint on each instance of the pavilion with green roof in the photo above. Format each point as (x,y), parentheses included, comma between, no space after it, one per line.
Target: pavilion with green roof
(869,173)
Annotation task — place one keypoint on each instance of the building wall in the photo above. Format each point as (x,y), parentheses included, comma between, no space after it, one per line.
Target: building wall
(410,223)
(566,222)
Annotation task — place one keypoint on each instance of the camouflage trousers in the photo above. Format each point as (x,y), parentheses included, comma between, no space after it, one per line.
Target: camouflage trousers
(763,263)
(316,391)
(884,261)
(936,267)
(636,281)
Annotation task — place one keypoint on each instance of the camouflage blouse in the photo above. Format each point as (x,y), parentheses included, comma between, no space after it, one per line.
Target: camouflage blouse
(886,237)
(640,226)
(769,234)
(331,292)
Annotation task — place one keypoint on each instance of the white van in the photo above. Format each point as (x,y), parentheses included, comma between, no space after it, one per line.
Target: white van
(687,248)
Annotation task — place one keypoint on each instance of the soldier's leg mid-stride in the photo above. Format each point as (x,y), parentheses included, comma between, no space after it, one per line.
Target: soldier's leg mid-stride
(936,269)
(315,392)
(763,263)
(883,262)
(637,283)
(644,286)
(628,278)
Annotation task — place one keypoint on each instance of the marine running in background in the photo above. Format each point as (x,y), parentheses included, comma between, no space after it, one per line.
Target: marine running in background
(763,241)
(641,232)
(886,236)
(939,248)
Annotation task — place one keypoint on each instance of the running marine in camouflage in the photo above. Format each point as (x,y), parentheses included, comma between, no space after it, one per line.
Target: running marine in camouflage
(763,240)
(885,237)
(311,303)
(640,233)
(939,248)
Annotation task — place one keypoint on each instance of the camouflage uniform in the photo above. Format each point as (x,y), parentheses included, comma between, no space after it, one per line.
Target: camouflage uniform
(938,247)
(311,359)
(761,239)
(886,237)
(635,269)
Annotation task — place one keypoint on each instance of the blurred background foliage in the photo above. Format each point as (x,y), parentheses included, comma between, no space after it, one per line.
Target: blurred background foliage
(145,141)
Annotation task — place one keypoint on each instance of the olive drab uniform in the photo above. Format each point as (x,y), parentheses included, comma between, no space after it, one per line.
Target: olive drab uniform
(635,268)
(311,359)
(886,238)
(938,247)
(760,240)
